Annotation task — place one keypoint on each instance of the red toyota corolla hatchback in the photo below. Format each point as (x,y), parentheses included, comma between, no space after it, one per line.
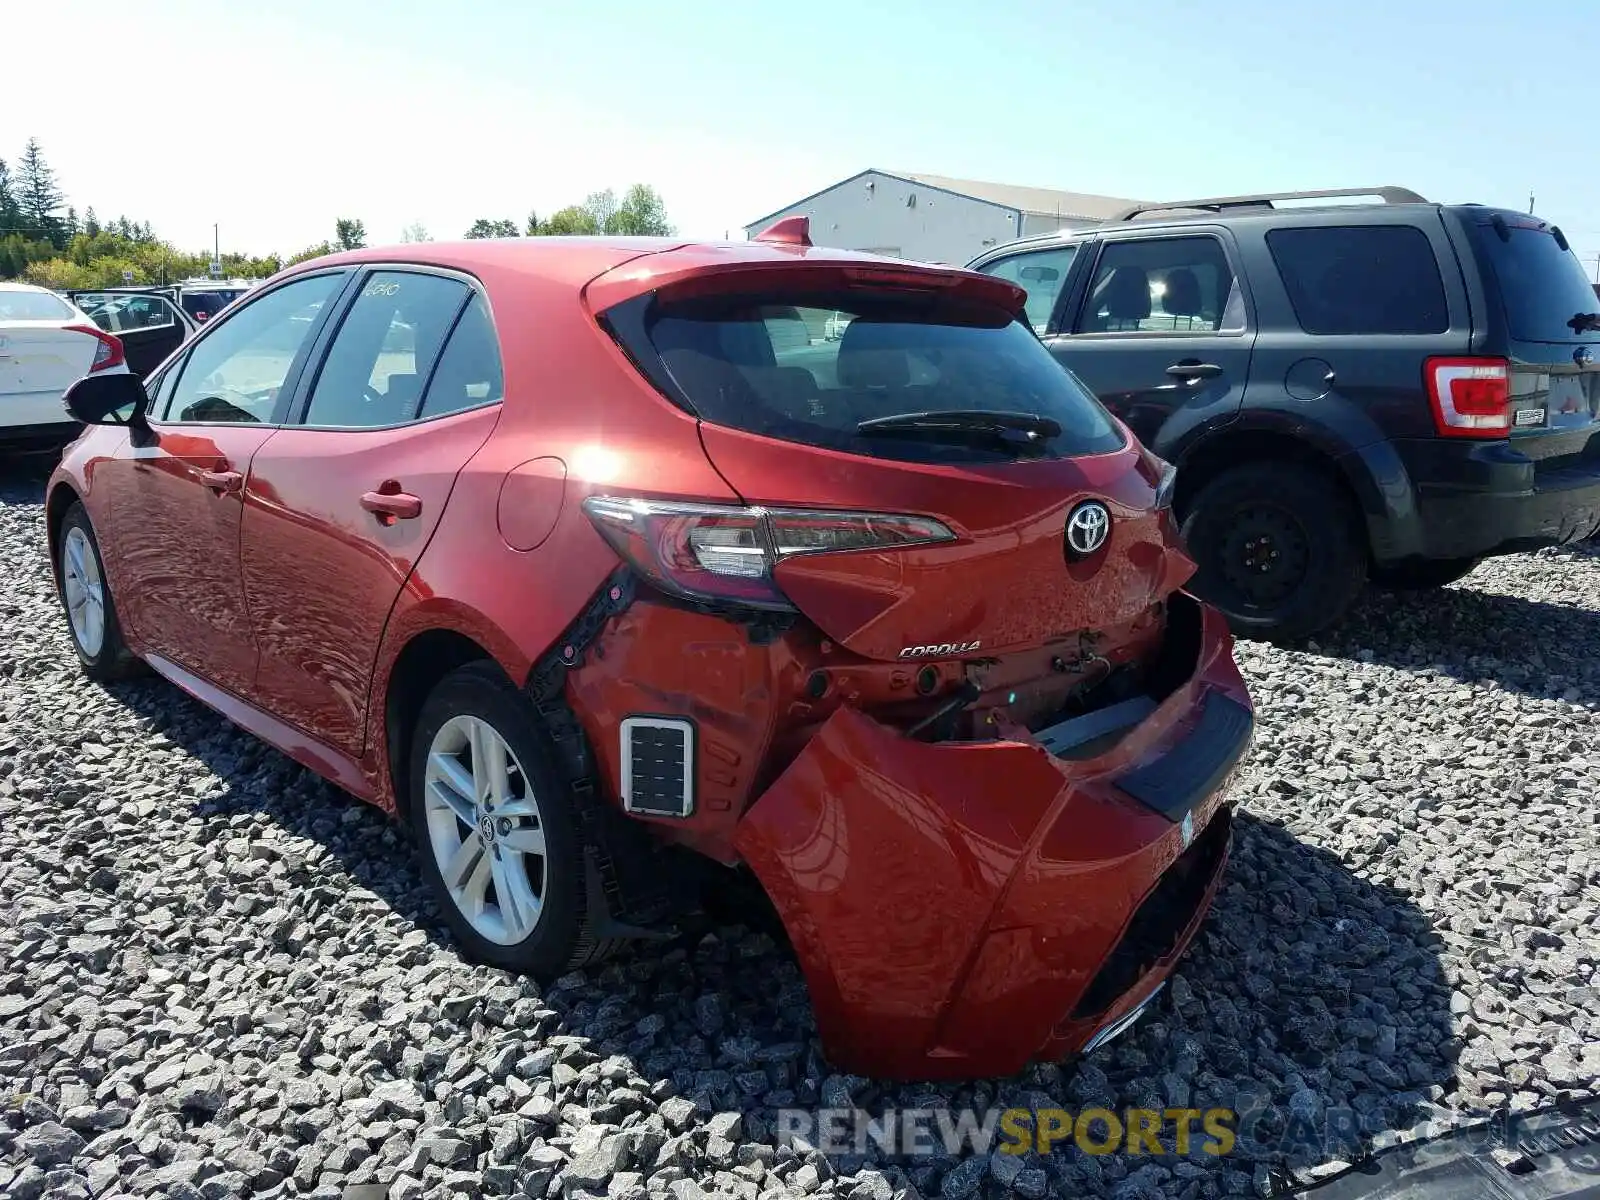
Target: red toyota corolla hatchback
(581,554)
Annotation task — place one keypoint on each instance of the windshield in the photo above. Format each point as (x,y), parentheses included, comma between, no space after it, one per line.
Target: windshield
(32,306)
(814,371)
(1541,285)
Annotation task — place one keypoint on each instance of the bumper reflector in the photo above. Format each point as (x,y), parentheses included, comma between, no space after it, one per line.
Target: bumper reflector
(658,766)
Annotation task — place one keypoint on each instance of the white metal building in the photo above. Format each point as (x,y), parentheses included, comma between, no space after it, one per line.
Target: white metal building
(932,218)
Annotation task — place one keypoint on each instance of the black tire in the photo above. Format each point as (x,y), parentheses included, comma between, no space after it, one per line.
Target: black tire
(562,938)
(1280,549)
(112,659)
(1422,574)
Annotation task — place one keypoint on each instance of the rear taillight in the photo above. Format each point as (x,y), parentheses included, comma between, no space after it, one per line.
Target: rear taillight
(1159,474)
(109,351)
(1167,484)
(728,555)
(1471,397)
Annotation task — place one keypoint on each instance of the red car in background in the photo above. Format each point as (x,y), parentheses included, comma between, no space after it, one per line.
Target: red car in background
(578,554)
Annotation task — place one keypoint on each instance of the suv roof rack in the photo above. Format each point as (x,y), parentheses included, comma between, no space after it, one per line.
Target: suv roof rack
(1219,204)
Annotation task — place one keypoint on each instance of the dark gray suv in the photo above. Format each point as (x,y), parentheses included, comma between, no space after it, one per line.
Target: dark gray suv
(1390,390)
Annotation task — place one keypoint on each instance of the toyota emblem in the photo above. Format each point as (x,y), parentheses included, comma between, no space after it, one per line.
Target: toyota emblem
(1583,356)
(1087,529)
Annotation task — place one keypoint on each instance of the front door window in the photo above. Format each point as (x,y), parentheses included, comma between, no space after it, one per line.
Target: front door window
(236,371)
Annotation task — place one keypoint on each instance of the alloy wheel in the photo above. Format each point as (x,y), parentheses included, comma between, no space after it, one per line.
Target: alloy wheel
(84,591)
(486,830)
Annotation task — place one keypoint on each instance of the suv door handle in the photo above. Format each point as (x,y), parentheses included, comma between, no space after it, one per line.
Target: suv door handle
(1194,369)
(222,482)
(389,507)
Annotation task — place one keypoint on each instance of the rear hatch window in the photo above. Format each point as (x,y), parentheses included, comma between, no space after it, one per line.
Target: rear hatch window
(32,306)
(945,380)
(1541,283)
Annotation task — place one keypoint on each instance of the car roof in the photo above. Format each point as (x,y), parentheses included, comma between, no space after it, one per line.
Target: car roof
(577,260)
(16,285)
(1289,215)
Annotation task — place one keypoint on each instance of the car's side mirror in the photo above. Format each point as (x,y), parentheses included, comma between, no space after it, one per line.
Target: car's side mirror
(108,400)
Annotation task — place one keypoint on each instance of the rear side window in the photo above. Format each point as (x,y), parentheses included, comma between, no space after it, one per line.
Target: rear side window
(1040,273)
(469,372)
(811,369)
(1358,279)
(385,346)
(1541,285)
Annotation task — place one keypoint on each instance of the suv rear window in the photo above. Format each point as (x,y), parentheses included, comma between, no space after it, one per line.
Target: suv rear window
(810,369)
(1358,279)
(1541,285)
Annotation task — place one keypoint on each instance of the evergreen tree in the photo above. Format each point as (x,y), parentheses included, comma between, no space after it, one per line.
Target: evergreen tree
(10,209)
(37,193)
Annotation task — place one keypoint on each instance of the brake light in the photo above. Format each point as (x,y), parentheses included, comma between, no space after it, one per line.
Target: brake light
(725,554)
(109,351)
(1471,397)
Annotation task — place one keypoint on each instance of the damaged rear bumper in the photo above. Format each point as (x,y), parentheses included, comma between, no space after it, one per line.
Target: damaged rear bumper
(961,908)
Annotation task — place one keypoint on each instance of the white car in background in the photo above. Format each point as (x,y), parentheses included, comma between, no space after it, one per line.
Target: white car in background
(46,345)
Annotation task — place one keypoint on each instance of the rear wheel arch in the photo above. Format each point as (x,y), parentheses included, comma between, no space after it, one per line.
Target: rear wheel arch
(425,659)
(1221,452)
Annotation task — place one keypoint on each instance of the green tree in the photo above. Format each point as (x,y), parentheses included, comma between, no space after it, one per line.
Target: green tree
(415,232)
(91,223)
(309,252)
(642,213)
(10,209)
(484,228)
(350,233)
(573,220)
(602,207)
(533,228)
(37,193)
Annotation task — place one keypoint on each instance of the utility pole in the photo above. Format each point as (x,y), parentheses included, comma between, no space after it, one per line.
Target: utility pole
(1530,203)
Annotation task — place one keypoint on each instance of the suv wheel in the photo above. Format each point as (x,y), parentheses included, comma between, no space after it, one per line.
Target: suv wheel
(1422,574)
(495,828)
(86,599)
(1279,550)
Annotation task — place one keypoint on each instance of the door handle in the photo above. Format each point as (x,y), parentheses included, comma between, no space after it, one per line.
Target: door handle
(1193,369)
(389,507)
(222,482)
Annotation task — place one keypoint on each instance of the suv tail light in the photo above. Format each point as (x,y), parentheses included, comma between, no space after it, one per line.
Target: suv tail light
(108,353)
(725,554)
(1471,397)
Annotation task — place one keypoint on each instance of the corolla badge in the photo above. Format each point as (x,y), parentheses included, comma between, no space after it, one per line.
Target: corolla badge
(939,649)
(1087,528)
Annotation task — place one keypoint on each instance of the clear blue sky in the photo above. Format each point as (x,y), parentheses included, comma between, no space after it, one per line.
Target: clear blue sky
(282,116)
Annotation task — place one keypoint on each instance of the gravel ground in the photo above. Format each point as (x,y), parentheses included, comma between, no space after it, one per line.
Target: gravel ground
(219,977)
